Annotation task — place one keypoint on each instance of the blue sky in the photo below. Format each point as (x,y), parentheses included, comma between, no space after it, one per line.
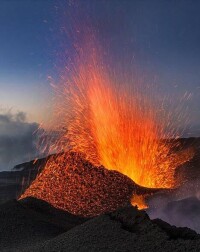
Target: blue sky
(25,54)
(159,40)
(160,37)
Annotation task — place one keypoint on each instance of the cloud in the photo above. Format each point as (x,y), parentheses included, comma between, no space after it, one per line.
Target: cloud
(18,139)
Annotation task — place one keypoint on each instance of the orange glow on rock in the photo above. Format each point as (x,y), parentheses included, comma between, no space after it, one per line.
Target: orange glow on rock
(117,126)
(139,201)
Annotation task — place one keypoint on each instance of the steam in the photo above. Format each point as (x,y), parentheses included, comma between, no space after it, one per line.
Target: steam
(180,208)
(17,139)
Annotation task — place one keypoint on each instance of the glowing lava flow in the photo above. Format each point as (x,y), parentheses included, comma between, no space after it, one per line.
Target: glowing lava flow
(112,125)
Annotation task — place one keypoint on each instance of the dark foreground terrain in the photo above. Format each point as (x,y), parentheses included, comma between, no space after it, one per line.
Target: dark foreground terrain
(33,225)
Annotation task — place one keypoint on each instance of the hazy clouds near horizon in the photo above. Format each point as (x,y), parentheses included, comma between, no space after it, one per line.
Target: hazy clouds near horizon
(17,140)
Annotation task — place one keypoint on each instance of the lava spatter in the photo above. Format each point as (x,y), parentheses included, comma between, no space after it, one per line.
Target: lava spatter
(71,183)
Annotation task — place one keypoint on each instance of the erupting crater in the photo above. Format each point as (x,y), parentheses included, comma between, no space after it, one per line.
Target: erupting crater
(114,126)
(71,183)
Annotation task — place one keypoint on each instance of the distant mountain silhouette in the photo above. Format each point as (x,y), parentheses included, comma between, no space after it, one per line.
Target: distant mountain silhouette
(14,182)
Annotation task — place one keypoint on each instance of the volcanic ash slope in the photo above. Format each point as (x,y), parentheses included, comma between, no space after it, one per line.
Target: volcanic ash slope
(34,225)
(124,230)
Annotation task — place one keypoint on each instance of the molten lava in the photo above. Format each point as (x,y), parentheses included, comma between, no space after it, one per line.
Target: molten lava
(118,127)
(112,125)
(71,183)
(139,201)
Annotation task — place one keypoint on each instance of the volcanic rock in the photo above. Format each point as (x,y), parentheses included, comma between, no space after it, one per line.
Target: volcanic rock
(71,183)
(27,222)
(34,225)
(128,233)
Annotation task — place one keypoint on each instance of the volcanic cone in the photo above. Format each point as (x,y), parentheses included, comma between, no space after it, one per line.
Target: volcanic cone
(71,183)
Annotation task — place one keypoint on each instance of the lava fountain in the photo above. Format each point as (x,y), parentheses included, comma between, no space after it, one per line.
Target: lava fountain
(112,125)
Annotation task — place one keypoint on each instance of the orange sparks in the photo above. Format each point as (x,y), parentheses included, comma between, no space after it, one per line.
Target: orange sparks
(118,126)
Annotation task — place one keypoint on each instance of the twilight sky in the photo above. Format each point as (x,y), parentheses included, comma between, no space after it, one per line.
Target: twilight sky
(25,57)
(160,37)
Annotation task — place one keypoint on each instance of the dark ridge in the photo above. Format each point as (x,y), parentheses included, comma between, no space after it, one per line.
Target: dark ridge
(175,233)
(34,225)
(31,221)
(54,215)
(130,218)
(124,230)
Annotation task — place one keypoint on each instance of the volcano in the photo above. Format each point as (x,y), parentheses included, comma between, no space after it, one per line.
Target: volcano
(71,183)
(87,209)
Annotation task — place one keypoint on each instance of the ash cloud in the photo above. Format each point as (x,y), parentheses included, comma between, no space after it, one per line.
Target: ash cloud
(18,140)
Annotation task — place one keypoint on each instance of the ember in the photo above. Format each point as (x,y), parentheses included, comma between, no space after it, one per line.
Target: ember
(71,183)
(118,128)
(111,125)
